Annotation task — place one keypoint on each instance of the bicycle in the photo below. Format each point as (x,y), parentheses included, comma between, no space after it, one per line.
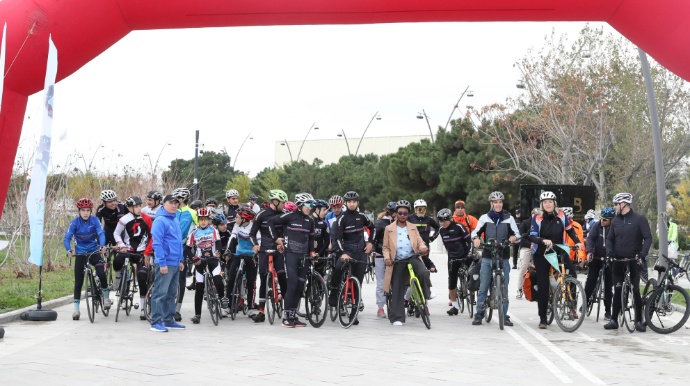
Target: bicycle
(567,297)
(109,274)
(369,274)
(661,304)
(463,294)
(599,290)
(417,298)
(315,293)
(93,293)
(497,296)
(274,300)
(349,296)
(128,285)
(150,278)
(238,294)
(212,298)
(628,314)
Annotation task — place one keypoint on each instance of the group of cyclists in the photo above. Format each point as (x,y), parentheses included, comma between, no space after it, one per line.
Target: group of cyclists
(312,228)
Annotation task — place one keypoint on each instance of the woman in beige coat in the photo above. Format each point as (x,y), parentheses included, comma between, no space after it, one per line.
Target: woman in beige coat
(401,240)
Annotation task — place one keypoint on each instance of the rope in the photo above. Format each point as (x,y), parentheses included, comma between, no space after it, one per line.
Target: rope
(31,31)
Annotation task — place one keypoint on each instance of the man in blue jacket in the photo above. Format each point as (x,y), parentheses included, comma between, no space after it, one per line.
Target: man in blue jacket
(167,246)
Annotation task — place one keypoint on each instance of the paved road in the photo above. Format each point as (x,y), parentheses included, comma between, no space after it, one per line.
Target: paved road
(453,351)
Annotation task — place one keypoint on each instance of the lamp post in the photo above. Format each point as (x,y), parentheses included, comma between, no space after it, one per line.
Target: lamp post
(423,115)
(155,167)
(313,126)
(196,163)
(378,118)
(469,94)
(249,136)
(342,134)
(288,146)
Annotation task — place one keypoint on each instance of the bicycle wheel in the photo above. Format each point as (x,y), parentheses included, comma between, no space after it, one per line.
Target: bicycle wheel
(243,296)
(500,298)
(211,299)
(235,295)
(89,295)
(600,296)
(488,310)
(270,307)
(567,299)
(461,292)
(470,304)
(109,274)
(129,299)
(122,300)
(366,274)
(628,310)
(417,298)
(315,301)
(348,306)
(147,309)
(661,304)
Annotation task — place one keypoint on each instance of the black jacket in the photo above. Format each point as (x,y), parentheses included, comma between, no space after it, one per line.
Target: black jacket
(111,217)
(380,226)
(424,225)
(594,242)
(321,237)
(630,235)
(260,224)
(298,230)
(524,229)
(456,239)
(230,216)
(348,231)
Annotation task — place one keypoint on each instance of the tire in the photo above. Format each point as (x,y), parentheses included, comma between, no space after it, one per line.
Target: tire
(419,302)
(147,309)
(212,299)
(109,274)
(628,310)
(565,302)
(315,301)
(488,311)
(470,304)
(89,297)
(660,303)
(348,309)
(235,295)
(461,293)
(130,290)
(243,296)
(600,296)
(123,295)
(270,302)
(500,293)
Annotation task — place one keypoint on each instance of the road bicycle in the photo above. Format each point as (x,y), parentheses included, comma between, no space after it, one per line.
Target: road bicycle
(666,300)
(274,299)
(417,299)
(497,297)
(628,315)
(315,293)
(369,274)
(463,293)
(349,296)
(212,297)
(150,279)
(93,293)
(238,293)
(599,290)
(128,285)
(567,295)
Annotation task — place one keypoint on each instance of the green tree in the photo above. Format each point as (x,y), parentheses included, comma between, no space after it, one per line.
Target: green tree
(266,180)
(214,172)
(240,183)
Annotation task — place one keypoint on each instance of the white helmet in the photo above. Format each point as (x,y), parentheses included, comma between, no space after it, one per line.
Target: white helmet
(496,196)
(590,214)
(623,197)
(568,211)
(108,195)
(547,196)
(303,198)
(232,193)
(419,203)
(181,193)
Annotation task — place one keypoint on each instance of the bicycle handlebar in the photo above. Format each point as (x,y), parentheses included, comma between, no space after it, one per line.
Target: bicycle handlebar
(406,259)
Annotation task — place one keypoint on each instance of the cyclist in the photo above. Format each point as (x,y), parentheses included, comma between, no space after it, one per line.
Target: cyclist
(336,204)
(218,221)
(207,242)
(211,203)
(233,198)
(241,245)
(319,212)
(499,225)
(385,219)
(110,211)
(348,238)
(296,241)
(460,216)
(88,236)
(629,238)
(546,231)
(590,219)
(577,256)
(518,217)
(153,203)
(456,239)
(186,216)
(424,224)
(402,239)
(252,203)
(525,251)
(136,229)
(277,198)
(596,247)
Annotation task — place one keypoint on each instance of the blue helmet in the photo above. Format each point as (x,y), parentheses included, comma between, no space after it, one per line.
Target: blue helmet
(607,213)
(218,219)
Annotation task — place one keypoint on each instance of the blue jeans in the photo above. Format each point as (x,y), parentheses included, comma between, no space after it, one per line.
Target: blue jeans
(163,297)
(485,280)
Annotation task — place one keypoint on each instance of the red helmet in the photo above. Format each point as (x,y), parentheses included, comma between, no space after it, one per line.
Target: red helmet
(203,212)
(336,201)
(290,206)
(85,203)
(246,213)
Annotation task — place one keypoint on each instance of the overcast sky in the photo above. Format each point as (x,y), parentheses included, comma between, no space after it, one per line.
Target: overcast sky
(274,82)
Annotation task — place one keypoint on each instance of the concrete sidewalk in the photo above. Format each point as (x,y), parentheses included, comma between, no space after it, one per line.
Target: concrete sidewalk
(452,352)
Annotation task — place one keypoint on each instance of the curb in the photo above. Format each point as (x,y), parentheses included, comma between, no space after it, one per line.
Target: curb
(14,315)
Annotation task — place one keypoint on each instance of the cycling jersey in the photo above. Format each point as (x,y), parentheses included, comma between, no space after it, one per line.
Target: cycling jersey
(456,239)
(207,242)
(348,231)
(424,225)
(151,212)
(110,219)
(241,239)
(230,216)
(260,223)
(594,243)
(187,217)
(137,233)
(298,231)
(88,235)
(321,238)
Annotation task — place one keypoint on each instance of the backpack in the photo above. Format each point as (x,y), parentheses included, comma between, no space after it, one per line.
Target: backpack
(473,281)
(529,288)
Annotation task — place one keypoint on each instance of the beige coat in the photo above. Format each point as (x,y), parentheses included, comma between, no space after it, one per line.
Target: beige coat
(390,245)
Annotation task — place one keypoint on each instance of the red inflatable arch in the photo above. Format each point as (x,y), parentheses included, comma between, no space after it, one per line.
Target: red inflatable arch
(83,29)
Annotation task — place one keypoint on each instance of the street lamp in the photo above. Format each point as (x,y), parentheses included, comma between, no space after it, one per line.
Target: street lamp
(378,118)
(249,136)
(469,94)
(423,115)
(153,168)
(342,134)
(520,85)
(288,146)
(313,126)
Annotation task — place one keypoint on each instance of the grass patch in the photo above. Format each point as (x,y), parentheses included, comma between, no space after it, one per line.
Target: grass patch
(18,293)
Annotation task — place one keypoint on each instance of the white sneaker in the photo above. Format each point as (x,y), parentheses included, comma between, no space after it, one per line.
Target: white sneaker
(397,323)
(431,295)
(76,315)
(224,312)
(107,303)
(252,312)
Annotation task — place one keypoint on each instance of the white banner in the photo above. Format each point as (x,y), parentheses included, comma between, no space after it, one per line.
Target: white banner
(2,63)
(35,200)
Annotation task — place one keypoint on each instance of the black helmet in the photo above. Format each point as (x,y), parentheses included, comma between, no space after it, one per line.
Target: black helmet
(133,201)
(350,196)
(211,201)
(390,208)
(196,204)
(444,215)
(403,204)
(217,219)
(253,197)
(320,204)
(156,195)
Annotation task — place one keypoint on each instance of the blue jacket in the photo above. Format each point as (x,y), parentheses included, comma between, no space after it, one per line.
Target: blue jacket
(167,239)
(88,235)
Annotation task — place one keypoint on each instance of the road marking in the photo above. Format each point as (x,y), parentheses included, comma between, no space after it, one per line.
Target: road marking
(545,361)
(587,337)
(578,367)
(640,340)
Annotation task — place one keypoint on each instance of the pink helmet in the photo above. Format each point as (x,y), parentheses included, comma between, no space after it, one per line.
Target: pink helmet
(290,207)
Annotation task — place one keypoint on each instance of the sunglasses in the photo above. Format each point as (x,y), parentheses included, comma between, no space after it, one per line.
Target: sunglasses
(421,209)
(403,214)
(307,205)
